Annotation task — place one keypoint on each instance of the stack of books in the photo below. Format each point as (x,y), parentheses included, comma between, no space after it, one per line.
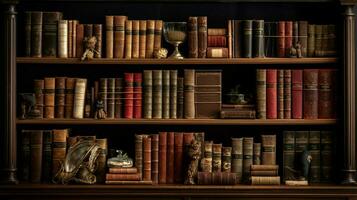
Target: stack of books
(265,175)
(125,175)
(236,111)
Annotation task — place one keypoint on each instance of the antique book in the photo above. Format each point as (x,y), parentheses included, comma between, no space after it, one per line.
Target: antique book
(265,173)
(324,41)
(280,92)
(331,40)
(128,95)
(62,39)
(70,83)
(59,149)
(238,107)
(261,93)
(36,142)
(192,37)
(155,158)
(129,182)
(79,97)
(206,162)
(216,41)
(202,36)
(110,99)
(296,93)
(226,159)
(327,156)
(165,94)
(49,98)
(229,39)
(268,149)
(288,154)
(296,29)
(325,94)
(200,137)
(264,167)
(123,177)
(189,93)
(314,148)
(310,93)
(318,41)
(271,94)
(288,37)
(119,36)
(238,38)
(88,30)
(27,30)
(79,40)
(25,155)
(142,39)
(187,139)
(217,52)
(296,183)
(281,39)
(287,94)
(157,94)
(180,97)
(36,34)
(103,92)
(178,157)
(301,144)
(216,157)
(157,34)
(150,38)
(97,32)
(74,39)
(270,38)
(247,156)
(135,39)
(257,148)
(303,37)
(147,105)
(137,95)
(146,159)
(109,35)
(39,91)
(123,170)
(311,40)
(237,114)
(216,178)
(216,31)
(162,157)
(237,157)
(118,102)
(258,38)
(139,153)
(170,157)
(247,26)
(128,39)
(101,160)
(265,180)
(60,96)
(173,94)
(69,38)
(49,33)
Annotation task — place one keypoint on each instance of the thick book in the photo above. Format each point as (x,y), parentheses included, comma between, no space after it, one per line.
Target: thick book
(288,37)
(265,180)
(189,93)
(288,154)
(110,98)
(101,160)
(162,157)
(268,149)
(325,94)
(79,40)
(128,95)
(137,95)
(247,156)
(165,94)
(128,39)
(146,159)
(178,157)
(109,35)
(103,92)
(118,103)
(303,37)
(62,39)
(216,157)
(238,37)
(327,156)
(139,153)
(155,158)
(314,149)
(237,114)
(217,52)
(70,83)
(39,90)
(49,33)
(310,100)
(119,36)
(237,157)
(261,93)
(226,159)
(217,41)
(258,39)
(216,178)
(58,148)
(79,98)
(36,142)
(36,34)
(123,177)
(311,40)
(173,94)
(296,93)
(142,38)
(202,36)
(150,38)
(180,97)
(69,38)
(27,30)
(281,39)
(157,34)
(264,173)
(216,31)
(25,155)
(295,33)
(192,35)
(123,170)
(60,97)
(257,157)
(147,83)
(271,94)
(280,93)
(135,39)
(287,94)
(264,167)
(157,94)
(97,32)
(170,157)
(206,161)
(49,98)
(247,26)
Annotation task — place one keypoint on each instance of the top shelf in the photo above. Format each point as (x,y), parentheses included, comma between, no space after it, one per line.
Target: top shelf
(192,61)
(178,1)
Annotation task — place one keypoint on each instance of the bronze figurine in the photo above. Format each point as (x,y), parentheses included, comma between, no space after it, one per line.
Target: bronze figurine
(89,44)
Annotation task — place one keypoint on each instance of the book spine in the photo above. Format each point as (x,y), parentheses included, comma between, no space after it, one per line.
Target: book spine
(79,98)
(247,156)
(123,177)
(216,41)
(314,148)
(123,170)
(60,96)
(192,32)
(128,95)
(180,97)
(155,158)
(142,39)
(295,38)
(79,40)
(288,154)
(137,95)
(170,157)
(318,41)
(139,153)
(324,40)
(303,37)
(39,90)
(264,173)
(157,94)
(118,98)
(69,38)
(258,41)
(296,76)
(247,38)
(229,39)
(49,98)
(88,30)
(135,39)
(287,94)
(178,157)
(147,94)
(157,35)
(271,94)
(265,180)
(36,141)
(257,147)
(268,149)
(326,156)
(147,159)
(173,94)
(301,144)
(101,160)
(261,93)
(150,38)
(28,34)
(202,36)
(237,157)
(63,39)
(310,93)
(237,114)
(311,40)
(128,38)
(36,34)
(331,40)
(59,137)
(226,159)
(109,35)
(103,92)
(74,38)
(281,39)
(325,94)
(217,52)
(110,98)
(216,31)
(288,37)
(280,94)
(206,162)
(216,157)
(49,35)
(129,182)
(189,93)
(238,38)
(166,94)
(70,83)
(162,157)
(264,167)
(25,155)
(97,32)
(119,36)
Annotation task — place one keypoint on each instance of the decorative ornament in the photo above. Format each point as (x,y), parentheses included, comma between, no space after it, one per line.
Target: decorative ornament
(120,160)
(89,44)
(28,109)
(160,53)
(194,154)
(100,113)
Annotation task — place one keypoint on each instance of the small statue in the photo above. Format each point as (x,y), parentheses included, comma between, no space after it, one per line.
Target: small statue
(296,51)
(160,53)
(303,170)
(89,43)
(194,154)
(100,113)
(28,109)
(121,160)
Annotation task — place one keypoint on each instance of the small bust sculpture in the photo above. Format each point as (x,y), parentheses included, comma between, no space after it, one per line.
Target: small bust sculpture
(99,113)
(89,44)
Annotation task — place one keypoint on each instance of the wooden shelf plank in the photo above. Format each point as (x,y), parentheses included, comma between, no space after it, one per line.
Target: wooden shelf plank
(195,61)
(266,122)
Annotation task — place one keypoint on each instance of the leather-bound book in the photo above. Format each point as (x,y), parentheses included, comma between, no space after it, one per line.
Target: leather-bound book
(62,39)
(238,38)
(97,32)
(217,52)
(296,90)
(111,98)
(288,154)
(189,93)
(216,41)
(25,155)
(166,94)
(206,162)
(318,41)
(157,94)
(162,157)
(150,38)
(261,93)
(157,34)
(60,97)
(271,93)
(192,35)
(301,143)
(288,37)
(280,79)
(36,34)
(281,39)
(118,103)
(287,94)
(237,114)
(36,141)
(123,177)
(264,173)
(69,38)
(139,153)
(200,137)
(135,39)
(216,157)
(173,94)
(202,36)
(128,95)
(268,149)
(264,167)
(324,42)
(295,33)
(58,148)
(237,158)
(326,156)
(119,36)
(138,93)
(229,38)
(142,39)
(216,178)
(129,182)
(147,159)
(128,38)
(180,98)
(101,160)
(257,149)
(310,93)
(170,175)
(49,98)
(27,33)
(88,30)
(247,156)
(265,180)
(103,92)
(79,98)
(74,38)
(109,35)
(70,83)
(123,170)
(303,36)
(226,159)
(187,139)
(325,94)
(39,90)
(270,38)
(147,110)
(247,26)
(49,33)
(178,157)
(79,40)
(314,149)
(155,158)
(331,40)
(258,38)
(311,40)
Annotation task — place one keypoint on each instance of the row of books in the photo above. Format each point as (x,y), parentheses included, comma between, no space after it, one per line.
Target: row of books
(296,94)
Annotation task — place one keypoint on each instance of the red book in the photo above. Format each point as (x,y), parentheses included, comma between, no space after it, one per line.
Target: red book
(137,95)
(288,37)
(296,88)
(272,99)
(128,95)
(281,39)
(123,177)
(155,158)
(216,41)
(170,157)
(162,156)
(325,101)
(311,77)
(147,159)
(178,145)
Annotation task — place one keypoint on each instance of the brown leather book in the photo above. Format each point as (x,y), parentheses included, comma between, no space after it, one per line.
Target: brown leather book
(229,38)
(280,93)
(206,162)
(216,41)
(49,34)
(261,93)
(264,173)
(170,157)
(74,38)
(189,93)
(150,38)
(123,177)
(303,37)
(237,157)
(310,91)
(119,36)
(142,39)
(60,97)
(36,138)
(325,94)
(226,159)
(27,29)
(147,159)
(162,157)
(237,114)
(88,30)
(129,182)
(128,38)
(103,92)
(157,34)
(216,157)
(123,170)
(110,98)
(217,52)
(264,167)
(58,148)
(97,32)
(157,94)
(178,157)
(288,37)
(109,35)
(315,152)
(192,33)
(147,106)
(79,40)
(247,156)
(173,94)
(79,98)
(165,94)
(136,39)
(281,39)
(69,38)
(202,36)
(36,34)
(257,147)
(295,33)
(265,180)
(217,31)
(62,39)
(101,160)
(70,83)
(155,158)
(258,38)
(39,91)
(287,94)
(49,98)
(138,95)
(139,153)
(216,178)
(180,97)
(311,40)
(118,110)
(268,149)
